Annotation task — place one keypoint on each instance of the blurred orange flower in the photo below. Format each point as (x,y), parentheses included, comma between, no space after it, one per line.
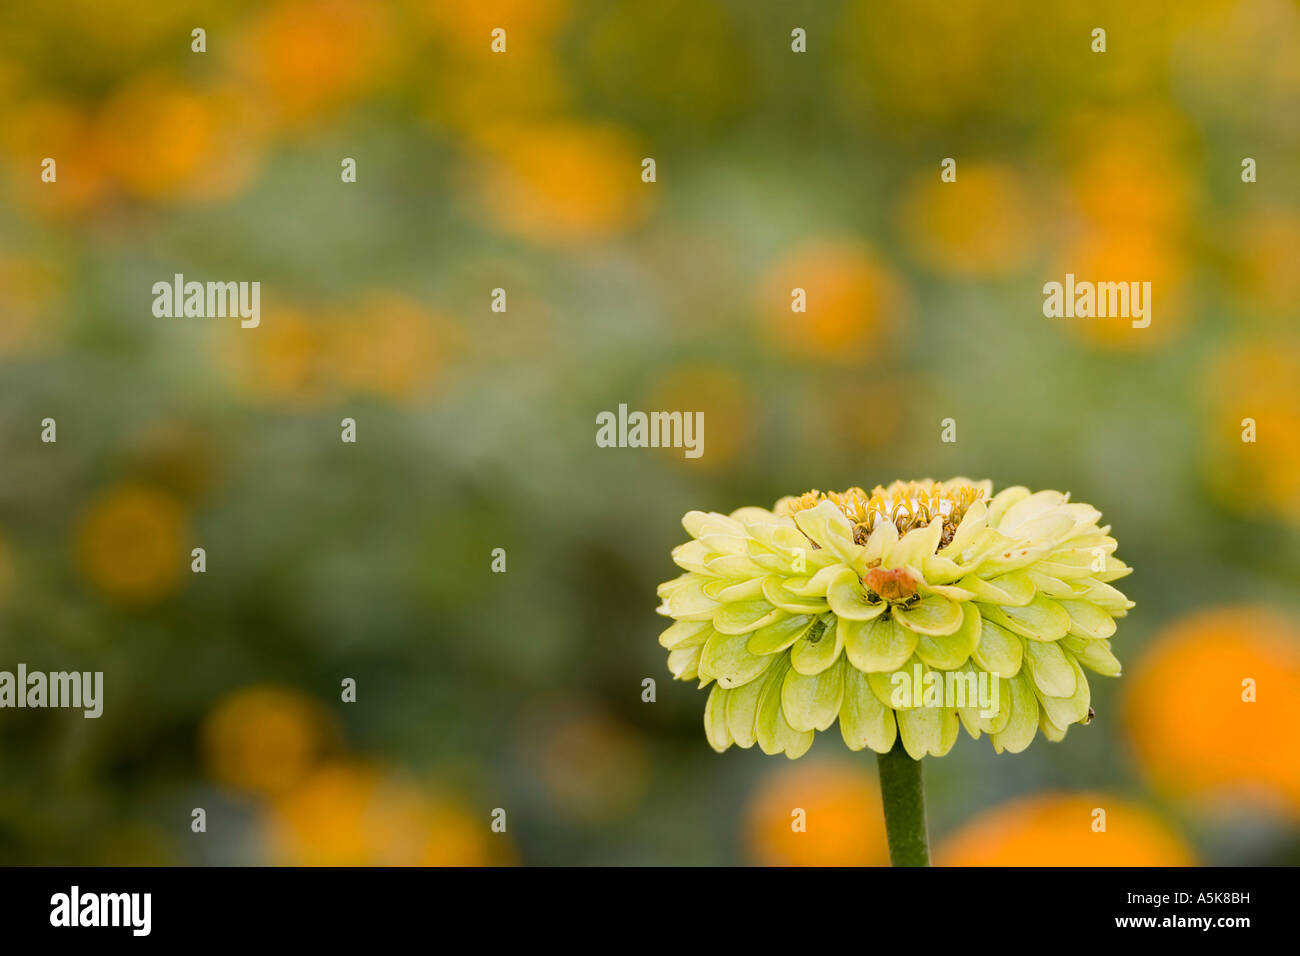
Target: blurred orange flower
(263,739)
(1129,170)
(380,344)
(1056,829)
(1196,734)
(352,815)
(389,346)
(1255,381)
(721,394)
(853,301)
(841,812)
(306,58)
(982,223)
(1102,255)
(66,133)
(133,543)
(561,182)
(161,139)
(1130,192)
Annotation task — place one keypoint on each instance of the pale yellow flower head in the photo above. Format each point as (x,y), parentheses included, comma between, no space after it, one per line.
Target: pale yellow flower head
(910,610)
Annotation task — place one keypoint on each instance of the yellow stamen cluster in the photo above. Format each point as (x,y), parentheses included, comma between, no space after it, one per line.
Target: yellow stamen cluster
(908,505)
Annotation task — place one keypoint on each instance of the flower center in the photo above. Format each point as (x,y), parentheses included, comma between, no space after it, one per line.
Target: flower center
(910,504)
(896,586)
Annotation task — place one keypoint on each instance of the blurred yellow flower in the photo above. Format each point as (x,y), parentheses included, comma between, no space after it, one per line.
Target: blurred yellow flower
(263,739)
(1263,245)
(471,87)
(288,360)
(133,543)
(1255,382)
(841,824)
(389,346)
(469,26)
(853,301)
(379,344)
(352,815)
(1056,829)
(1196,735)
(983,223)
(559,182)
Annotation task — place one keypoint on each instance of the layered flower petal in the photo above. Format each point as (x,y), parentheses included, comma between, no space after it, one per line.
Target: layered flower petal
(904,613)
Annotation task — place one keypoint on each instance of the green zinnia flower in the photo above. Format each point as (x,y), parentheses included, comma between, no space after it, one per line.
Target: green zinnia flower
(893,611)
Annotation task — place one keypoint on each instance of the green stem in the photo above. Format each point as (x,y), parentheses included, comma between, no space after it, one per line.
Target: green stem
(904,798)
